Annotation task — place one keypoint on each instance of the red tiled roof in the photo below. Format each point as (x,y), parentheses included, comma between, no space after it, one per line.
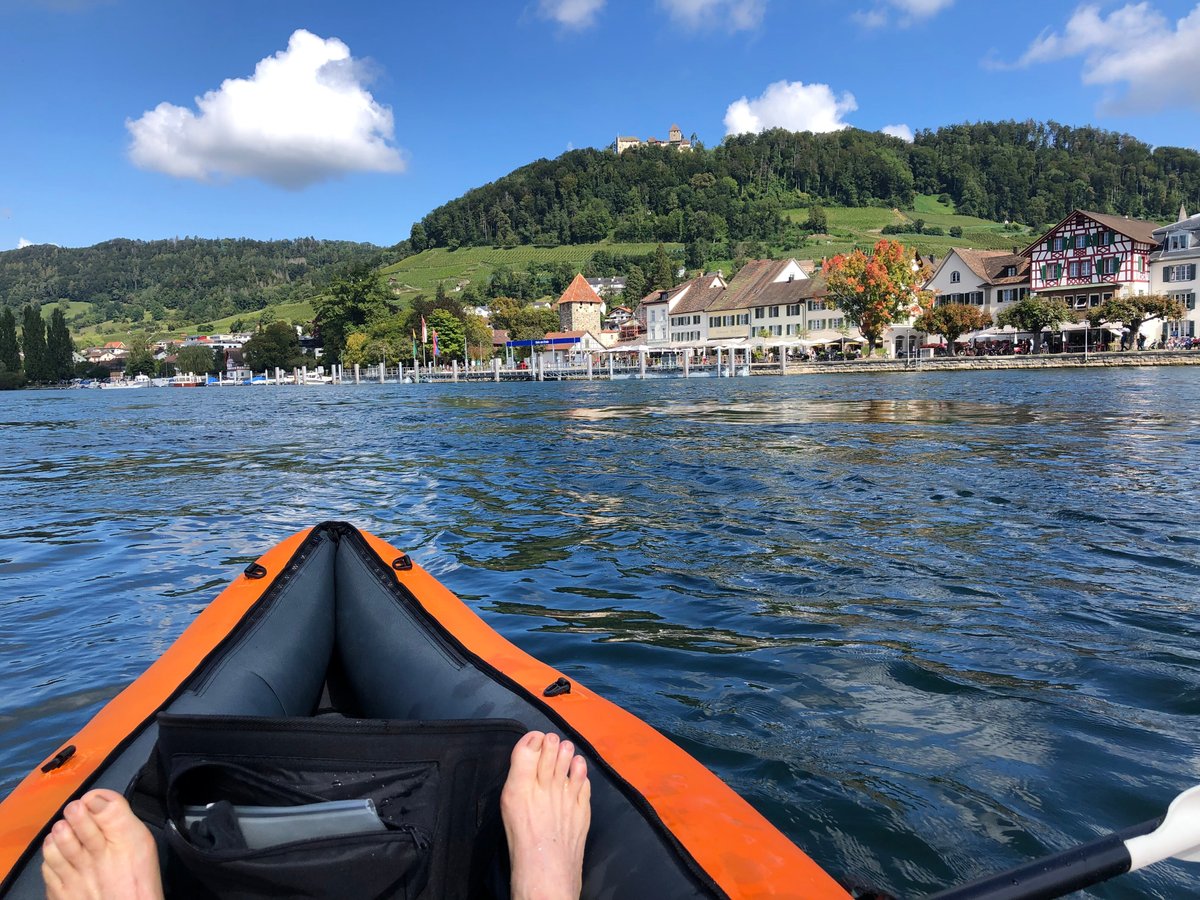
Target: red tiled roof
(1137,229)
(579,291)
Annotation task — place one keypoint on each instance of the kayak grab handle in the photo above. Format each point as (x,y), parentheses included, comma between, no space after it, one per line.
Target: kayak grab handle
(560,686)
(1056,875)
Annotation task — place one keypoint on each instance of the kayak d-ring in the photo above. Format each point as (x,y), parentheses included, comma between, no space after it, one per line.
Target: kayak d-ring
(560,686)
(402,563)
(59,758)
(254,570)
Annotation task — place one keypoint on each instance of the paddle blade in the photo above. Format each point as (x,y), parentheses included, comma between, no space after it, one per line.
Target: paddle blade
(1177,837)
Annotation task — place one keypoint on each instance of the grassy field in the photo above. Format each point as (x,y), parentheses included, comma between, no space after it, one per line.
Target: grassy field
(851,227)
(423,272)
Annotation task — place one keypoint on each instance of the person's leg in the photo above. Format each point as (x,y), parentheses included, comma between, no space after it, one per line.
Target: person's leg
(546,806)
(99,850)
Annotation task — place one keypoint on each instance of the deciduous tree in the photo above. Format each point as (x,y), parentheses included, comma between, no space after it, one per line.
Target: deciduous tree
(353,302)
(449,330)
(1034,314)
(140,360)
(952,320)
(1133,311)
(876,291)
(276,346)
(194,360)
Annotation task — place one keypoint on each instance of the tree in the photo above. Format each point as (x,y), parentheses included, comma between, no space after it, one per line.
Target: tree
(875,291)
(1034,314)
(10,351)
(194,360)
(33,343)
(478,335)
(449,329)
(1134,311)
(951,320)
(60,349)
(635,286)
(664,272)
(354,301)
(140,360)
(817,222)
(275,347)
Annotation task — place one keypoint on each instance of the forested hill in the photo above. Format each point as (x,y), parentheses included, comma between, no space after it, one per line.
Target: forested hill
(188,279)
(1028,172)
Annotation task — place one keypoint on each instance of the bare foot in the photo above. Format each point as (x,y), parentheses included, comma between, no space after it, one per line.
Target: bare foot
(547,808)
(99,850)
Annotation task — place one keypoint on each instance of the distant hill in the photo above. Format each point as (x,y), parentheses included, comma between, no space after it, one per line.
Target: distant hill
(1028,172)
(171,283)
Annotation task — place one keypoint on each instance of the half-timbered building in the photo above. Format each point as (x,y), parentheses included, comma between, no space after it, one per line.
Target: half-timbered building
(1089,257)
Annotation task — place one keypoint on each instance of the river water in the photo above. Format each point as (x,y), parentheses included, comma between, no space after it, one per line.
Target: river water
(930,624)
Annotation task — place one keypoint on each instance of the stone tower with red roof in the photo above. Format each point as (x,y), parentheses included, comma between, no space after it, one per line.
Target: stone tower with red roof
(580,308)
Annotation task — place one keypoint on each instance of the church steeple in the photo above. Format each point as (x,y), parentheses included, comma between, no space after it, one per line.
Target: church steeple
(1182,212)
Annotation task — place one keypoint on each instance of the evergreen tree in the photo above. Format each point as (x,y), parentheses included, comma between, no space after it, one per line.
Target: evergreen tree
(60,365)
(664,272)
(10,352)
(635,286)
(33,342)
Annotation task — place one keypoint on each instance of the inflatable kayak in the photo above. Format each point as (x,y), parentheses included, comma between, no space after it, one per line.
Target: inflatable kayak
(336,673)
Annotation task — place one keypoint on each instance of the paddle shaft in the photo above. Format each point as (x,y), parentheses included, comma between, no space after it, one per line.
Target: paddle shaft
(1057,875)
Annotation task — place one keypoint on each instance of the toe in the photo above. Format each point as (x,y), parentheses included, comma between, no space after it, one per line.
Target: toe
(55,888)
(548,758)
(562,764)
(67,842)
(83,823)
(52,856)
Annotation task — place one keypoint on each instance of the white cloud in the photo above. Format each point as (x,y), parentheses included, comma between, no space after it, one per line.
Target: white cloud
(900,131)
(304,116)
(22,243)
(1134,46)
(575,14)
(737,15)
(906,11)
(792,105)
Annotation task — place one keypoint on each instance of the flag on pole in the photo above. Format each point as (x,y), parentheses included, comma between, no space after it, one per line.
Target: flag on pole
(424,332)
(414,342)
(435,347)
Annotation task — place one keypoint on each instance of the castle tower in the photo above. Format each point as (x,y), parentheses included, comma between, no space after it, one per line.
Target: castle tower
(675,136)
(580,308)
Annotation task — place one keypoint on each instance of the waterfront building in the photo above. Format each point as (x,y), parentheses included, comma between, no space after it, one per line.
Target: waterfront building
(991,279)
(659,308)
(1173,271)
(1089,257)
(767,298)
(580,308)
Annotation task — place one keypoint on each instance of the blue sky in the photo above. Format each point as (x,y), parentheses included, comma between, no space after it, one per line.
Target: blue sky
(351,120)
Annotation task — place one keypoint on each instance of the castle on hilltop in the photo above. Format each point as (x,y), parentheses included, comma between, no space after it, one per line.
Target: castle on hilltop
(674,140)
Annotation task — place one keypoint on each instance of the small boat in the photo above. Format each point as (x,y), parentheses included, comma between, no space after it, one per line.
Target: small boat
(138,381)
(188,381)
(336,646)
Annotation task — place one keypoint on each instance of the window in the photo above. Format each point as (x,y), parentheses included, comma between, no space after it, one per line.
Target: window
(1085,269)
(773,312)
(1187,298)
(1010,272)
(1073,269)
(793,309)
(955,277)
(759,312)
(743,319)
(1060,243)
(1081,241)
(1178,241)
(816,324)
(1180,273)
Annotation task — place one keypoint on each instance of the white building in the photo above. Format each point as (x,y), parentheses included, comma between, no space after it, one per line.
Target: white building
(991,279)
(1173,271)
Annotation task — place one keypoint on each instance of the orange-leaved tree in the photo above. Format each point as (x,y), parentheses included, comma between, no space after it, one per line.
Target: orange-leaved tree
(879,290)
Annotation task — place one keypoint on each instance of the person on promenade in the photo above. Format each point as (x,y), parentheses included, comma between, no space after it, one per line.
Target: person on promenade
(100,850)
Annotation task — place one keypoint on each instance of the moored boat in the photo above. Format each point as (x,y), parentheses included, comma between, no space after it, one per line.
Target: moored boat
(188,381)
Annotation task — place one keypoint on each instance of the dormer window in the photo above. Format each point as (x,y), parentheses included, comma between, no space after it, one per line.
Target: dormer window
(1010,272)
(955,277)
(1178,241)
